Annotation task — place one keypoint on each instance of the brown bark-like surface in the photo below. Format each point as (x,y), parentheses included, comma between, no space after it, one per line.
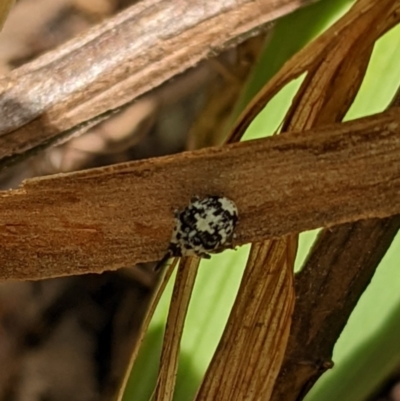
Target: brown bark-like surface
(114,217)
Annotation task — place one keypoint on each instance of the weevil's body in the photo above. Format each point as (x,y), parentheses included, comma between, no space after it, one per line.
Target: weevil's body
(205,226)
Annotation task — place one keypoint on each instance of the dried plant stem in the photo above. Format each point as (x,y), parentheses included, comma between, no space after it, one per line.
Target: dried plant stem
(183,288)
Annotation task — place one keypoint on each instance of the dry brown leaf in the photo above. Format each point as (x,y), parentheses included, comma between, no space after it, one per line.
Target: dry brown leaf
(334,79)
(108,218)
(183,288)
(145,324)
(249,354)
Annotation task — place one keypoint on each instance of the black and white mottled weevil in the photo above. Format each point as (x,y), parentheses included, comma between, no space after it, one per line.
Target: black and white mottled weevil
(205,226)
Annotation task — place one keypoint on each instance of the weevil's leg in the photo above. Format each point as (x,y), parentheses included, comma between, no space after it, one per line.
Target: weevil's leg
(229,242)
(162,261)
(204,255)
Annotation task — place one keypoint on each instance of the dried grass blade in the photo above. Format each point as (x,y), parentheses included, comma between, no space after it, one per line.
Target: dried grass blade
(139,341)
(182,292)
(250,352)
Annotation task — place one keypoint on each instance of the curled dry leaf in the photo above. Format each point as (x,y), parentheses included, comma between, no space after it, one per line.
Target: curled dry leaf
(336,74)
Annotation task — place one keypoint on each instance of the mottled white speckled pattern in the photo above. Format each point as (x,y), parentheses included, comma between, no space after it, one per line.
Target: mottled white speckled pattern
(205,226)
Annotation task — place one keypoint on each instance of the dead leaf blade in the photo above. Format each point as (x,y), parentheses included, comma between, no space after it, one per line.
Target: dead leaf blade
(258,325)
(84,213)
(182,292)
(143,330)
